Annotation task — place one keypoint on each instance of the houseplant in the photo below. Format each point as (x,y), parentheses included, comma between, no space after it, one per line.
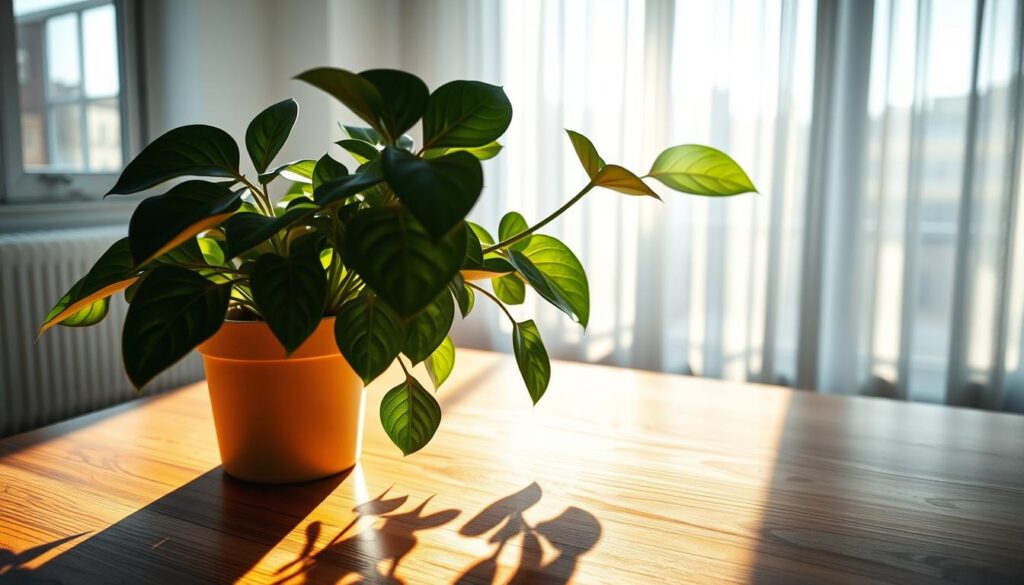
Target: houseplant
(296,303)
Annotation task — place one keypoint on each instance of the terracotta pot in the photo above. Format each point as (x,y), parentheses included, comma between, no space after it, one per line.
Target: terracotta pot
(282,419)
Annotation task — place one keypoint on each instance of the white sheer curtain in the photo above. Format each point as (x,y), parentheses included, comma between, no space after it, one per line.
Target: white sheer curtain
(885,254)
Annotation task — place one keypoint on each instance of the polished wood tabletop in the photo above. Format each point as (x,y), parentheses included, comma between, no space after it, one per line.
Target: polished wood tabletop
(616,476)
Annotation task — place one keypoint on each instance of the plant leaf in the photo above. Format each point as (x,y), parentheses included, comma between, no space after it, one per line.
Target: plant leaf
(369,335)
(510,289)
(355,91)
(513,223)
(485,152)
(268,132)
(363,152)
(173,311)
(532,358)
(556,274)
(290,293)
(396,256)
(700,170)
(197,150)
(441,363)
(589,158)
(300,171)
(438,192)
(619,179)
(90,315)
(410,415)
(404,98)
(327,169)
(481,233)
(426,331)
(340,189)
(463,295)
(465,114)
(245,231)
(113,272)
(368,135)
(163,222)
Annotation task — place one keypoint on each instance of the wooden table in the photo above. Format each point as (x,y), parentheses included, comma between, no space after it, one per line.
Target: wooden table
(617,476)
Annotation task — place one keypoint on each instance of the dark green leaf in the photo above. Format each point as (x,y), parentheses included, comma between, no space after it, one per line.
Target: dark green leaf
(410,415)
(463,295)
(465,114)
(700,170)
(404,98)
(368,135)
(426,331)
(290,293)
(300,171)
(327,169)
(197,150)
(369,335)
(112,273)
(173,311)
(513,223)
(555,273)
(591,161)
(474,252)
(245,231)
(161,223)
(268,132)
(438,192)
(619,179)
(485,152)
(396,256)
(441,363)
(340,189)
(355,91)
(532,358)
(363,152)
(510,289)
(90,315)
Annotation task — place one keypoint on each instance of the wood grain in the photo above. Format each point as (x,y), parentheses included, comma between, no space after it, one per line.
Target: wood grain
(617,476)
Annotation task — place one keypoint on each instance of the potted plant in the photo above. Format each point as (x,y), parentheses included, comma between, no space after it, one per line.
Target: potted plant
(296,303)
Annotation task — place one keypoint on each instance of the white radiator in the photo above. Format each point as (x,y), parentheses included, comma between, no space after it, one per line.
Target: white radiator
(69,371)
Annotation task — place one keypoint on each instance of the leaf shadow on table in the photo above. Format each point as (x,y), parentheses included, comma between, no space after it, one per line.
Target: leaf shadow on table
(213,529)
(388,536)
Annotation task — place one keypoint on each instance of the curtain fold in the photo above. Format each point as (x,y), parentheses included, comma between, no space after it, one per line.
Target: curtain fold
(885,252)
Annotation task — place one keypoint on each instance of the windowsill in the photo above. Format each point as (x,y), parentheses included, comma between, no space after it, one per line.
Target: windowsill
(21,217)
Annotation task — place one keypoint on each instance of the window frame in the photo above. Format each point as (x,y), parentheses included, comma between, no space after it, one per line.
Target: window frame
(45,189)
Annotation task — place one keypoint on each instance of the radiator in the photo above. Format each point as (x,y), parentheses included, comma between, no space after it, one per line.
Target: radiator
(69,371)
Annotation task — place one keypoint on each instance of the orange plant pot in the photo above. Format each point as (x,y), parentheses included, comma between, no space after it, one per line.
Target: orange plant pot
(282,419)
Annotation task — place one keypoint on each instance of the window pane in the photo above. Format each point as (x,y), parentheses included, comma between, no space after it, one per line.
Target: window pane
(100,36)
(104,125)
(34,143)
(62,60)
(67,137)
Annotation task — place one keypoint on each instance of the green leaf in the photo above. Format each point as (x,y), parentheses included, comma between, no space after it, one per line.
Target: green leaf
(404,98)
(340,189)
(532,358)
(591,161)
(268,132)
(113,272)
(426,331)
(396,256)
(355,91)
(441,363)
(410,415)
(465,114)
(556,274)
(369,335)
(245,231)
(212,252)
(700,170)
(363,152)
(162,223)
(197,150)
(510,289)
(327,169)
(513,223)
(438,192)
(619,179)
(300,171)
(485,152)
(290,293)
(173,311)
(368,135)
(481,233)
(90,315)
(463,295)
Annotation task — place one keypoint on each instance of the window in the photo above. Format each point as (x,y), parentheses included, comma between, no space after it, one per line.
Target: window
(66,131)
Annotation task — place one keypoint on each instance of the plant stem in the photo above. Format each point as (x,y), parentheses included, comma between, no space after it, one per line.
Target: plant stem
(496,300)
(261,198)
(401,363)
(541,223)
